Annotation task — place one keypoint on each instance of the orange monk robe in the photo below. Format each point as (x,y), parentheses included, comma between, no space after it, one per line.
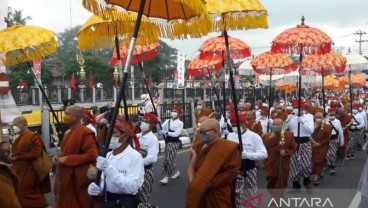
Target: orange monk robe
(27,147)
(215,170)
(275,179)
(80,146)
(283,115)
(205,112)
(255,126)
(319,153)
(341,151)
(8,190)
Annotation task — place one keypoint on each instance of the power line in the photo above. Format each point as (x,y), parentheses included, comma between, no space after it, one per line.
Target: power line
(360,41)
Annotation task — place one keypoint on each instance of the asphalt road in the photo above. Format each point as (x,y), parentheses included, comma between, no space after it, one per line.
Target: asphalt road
(339,189)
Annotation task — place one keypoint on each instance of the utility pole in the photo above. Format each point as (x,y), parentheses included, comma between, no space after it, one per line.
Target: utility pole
(360,41)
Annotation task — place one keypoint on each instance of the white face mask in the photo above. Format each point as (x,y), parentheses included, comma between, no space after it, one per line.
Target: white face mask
(16,129)
(199,107)
(144,126)
(174,114)
(355,111)
(331,117)
(114,143)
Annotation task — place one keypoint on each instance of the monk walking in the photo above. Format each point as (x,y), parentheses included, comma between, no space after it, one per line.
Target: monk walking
(216,163)
(26,148)
(78,151)
(280,146)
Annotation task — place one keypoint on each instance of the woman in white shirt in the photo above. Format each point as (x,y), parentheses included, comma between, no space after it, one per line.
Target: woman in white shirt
(122,169)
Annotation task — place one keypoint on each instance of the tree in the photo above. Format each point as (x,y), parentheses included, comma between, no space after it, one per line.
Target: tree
(15,17)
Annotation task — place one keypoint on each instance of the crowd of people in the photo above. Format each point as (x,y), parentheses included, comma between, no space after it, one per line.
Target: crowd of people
(297,142)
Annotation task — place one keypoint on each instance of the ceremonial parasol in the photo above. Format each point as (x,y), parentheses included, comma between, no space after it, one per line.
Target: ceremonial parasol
(270,63)
(286,87)
(141,53)
(21,44)
(202,67)
(301,40)
(324,65)
(236,15)
(355,63)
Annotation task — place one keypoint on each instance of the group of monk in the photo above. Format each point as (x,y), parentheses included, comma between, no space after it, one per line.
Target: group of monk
(296,141)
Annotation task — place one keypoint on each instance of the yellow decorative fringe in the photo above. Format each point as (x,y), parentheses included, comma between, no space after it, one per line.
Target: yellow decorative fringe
(241,22)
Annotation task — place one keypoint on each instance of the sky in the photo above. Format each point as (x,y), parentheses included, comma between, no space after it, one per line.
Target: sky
(338,18)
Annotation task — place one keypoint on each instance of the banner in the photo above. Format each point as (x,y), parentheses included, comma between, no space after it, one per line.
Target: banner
(181,70)
(37,68)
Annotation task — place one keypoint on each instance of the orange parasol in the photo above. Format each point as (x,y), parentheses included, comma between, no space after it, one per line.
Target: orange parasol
(273,63)
(357,80)
(215,47)
(287,87)
(325,64)
(141,53)
(201,67)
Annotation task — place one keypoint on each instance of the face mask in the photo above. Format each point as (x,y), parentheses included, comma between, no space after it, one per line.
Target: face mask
(355,111)
(144,126)
(204,138)
(16,129)
(331,117)
(114,143)
(174,114)
(70,120)
(360,109)
(199,107)
(275,129)
(304,112)
(296,111)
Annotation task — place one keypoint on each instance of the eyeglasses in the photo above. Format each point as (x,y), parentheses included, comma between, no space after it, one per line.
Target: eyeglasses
(201,131)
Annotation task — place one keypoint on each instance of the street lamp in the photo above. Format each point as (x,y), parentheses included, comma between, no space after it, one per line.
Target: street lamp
(80,61)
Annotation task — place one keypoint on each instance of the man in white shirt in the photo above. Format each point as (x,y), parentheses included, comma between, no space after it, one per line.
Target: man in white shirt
(89,121)
(172,129)
(253,150)
(226,127)
(356,130)
(264,120)
(122,169)
(337,139)
(301,160)
(149,148)
(146,106)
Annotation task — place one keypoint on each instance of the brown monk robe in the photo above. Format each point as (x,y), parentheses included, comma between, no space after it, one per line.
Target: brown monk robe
(320,143)
(9,187)
(26,148)
(78,151)
(279,153)
(345,119)
(204,111)
(215,168)
(252,124)
(279,113)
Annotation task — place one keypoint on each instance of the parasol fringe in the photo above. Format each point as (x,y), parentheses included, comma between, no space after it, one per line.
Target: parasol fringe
(241,22)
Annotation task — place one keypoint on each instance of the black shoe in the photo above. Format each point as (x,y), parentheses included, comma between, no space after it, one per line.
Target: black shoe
(352,156)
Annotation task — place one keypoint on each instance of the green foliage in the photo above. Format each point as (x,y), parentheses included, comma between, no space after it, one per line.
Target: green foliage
(15,17)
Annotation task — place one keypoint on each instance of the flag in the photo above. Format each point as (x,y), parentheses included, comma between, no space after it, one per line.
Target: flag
(150,83)
(91,81)
(73,85)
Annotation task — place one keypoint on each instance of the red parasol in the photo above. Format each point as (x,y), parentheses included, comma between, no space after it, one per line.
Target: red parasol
(202,67)
(215,47)
(141,53)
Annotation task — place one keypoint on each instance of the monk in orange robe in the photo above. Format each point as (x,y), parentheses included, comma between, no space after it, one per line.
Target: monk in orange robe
(79,149)
(279,151)
(252,124)
(320,143)
(216,163)
(279,113)
(202,110)
(345,119)
(26,148)
(9,187)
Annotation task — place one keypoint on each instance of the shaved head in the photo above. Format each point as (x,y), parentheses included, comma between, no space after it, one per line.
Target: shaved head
(20,120)
(277,122)
(75,110)
(211,123)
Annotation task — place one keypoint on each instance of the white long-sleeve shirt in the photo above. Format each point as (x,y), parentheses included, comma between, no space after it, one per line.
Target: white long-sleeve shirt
(337,124)
(149,143)
(306,129)
(225,131)
(125,174)
(253,147)
(264,123)
(364,115)
(175,125)
(360,119)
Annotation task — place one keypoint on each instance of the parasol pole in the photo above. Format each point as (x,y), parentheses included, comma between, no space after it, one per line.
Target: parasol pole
(269,100)
(46,99)
(223,112)
(323,93)
(232,83)
(121,94)
(350,91)
(150,95)
(223,87)
(300,84)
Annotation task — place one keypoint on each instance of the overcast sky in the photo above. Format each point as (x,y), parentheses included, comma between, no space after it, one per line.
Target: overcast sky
(338,18)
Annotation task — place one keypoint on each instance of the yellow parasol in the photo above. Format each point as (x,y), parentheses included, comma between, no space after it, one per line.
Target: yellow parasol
(24,43)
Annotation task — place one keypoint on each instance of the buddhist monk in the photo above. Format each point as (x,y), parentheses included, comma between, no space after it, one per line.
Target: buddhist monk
(202,110)
(9,187)
(320,143)
(279,113)
(252,124)
(26,148)
(345,119)
(280,145)
(215,169)
(78,151)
